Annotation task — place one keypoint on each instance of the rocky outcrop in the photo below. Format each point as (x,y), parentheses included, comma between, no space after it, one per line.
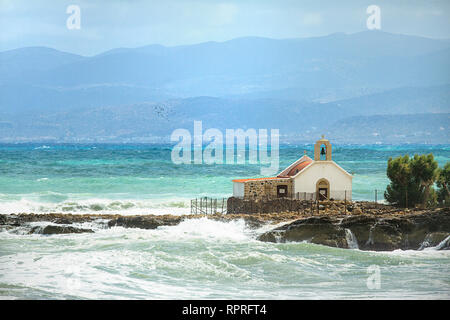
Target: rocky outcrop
(145,222)
(370,232)
(51,229)
(58,218)
(374,228)
(319,230)
(23,223)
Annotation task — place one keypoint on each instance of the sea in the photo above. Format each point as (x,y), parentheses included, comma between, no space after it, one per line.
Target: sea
(197,259)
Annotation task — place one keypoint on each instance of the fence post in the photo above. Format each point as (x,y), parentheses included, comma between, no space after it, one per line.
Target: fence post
(345,202)
(375,195)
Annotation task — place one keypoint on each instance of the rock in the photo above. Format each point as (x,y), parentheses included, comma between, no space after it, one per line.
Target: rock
(318,230)
(50,229)
(253,222)
(435,239)
(62,221)
(145,222)
(383,233)
(445,244)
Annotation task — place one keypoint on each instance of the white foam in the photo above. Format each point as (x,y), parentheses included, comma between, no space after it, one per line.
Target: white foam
(351,239)
(177,206)
(204,228)
(440,245)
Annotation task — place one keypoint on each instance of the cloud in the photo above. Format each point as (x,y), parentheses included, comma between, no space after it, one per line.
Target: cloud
(312,19)
(134,23)
(225,13)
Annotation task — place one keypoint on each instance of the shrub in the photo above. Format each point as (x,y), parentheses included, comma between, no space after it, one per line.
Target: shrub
(412,180)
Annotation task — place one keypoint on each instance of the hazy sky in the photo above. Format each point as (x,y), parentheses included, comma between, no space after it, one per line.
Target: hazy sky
(113,23)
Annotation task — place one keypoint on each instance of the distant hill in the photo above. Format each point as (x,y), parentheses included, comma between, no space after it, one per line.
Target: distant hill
(297,121)
(245,65)
(407,100)
(19,65)
(416,128)
(340,84)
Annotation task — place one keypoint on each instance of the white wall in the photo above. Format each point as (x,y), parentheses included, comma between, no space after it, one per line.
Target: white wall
(238,189)
(338,179)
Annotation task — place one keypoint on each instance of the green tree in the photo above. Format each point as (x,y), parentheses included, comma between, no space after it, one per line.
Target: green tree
(411,180)
(424,171)
(443,181)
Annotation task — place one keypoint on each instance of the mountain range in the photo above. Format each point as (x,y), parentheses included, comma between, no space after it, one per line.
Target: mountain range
(367,87)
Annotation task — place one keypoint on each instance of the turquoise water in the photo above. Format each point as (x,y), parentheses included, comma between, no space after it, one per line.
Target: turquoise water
(143,179)
(198,259)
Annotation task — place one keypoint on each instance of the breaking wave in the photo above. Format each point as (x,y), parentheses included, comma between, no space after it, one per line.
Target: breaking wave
(60,203)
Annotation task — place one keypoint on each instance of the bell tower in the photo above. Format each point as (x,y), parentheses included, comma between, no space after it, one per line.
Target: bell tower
(322,150)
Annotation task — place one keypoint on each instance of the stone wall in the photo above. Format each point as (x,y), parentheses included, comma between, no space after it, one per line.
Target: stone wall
(262,189)
(248,206)
(282,205)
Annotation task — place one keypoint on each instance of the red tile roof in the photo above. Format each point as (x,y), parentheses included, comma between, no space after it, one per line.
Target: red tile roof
(299,167)
(257,179)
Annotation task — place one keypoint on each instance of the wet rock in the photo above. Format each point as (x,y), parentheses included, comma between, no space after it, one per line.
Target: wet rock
(145,222)
(318,230)
(51,229)
(383,233)
(445,244)
(253,222)
(62,221)
(435,239)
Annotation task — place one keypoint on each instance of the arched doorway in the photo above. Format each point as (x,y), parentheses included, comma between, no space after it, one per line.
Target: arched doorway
(323,189)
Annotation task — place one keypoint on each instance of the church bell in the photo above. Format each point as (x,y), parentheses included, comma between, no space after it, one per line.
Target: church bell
(322,152)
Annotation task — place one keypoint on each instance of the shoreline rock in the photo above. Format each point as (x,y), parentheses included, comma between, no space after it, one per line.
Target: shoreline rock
(145,222)
(52,229)
(385,233)
(375,228)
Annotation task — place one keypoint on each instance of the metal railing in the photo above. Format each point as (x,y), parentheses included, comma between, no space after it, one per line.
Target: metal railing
(301,202)
(207,205)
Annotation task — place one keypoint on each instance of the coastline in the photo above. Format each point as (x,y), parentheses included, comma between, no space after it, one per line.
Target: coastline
(367,227)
